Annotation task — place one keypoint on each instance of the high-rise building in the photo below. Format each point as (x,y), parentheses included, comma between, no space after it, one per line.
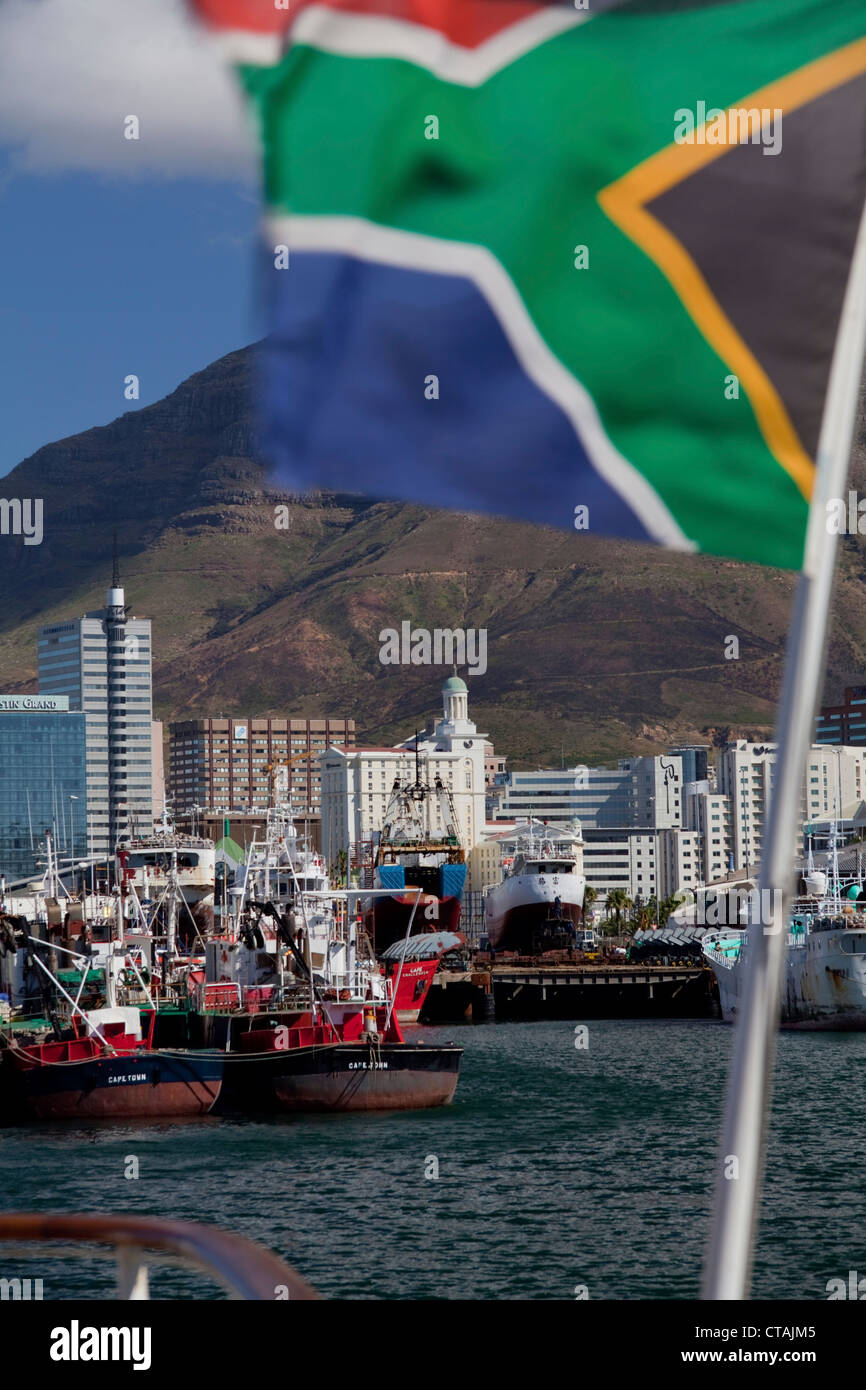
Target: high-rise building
(645,863)
(709,812)
(222,764)
(745,774)
(158,788)
(43,783)
(103,664)
(731,817)
(694,760)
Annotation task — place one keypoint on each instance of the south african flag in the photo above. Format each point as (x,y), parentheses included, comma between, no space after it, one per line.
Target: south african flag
(580,264)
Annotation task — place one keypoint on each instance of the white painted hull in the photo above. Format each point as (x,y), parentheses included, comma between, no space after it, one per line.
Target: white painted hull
(526,901)
(825,980)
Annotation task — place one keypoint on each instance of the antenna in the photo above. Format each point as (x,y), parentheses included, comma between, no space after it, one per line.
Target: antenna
(115,570)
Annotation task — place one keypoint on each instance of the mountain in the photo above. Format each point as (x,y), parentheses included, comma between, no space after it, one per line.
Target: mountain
(596,648)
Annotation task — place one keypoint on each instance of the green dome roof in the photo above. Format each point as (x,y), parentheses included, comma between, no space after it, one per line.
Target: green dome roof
(454,685)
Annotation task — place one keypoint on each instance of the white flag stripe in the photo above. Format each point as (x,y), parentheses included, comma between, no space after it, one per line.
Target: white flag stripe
(376,36)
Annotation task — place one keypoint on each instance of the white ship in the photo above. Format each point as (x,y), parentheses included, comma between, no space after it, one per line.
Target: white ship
(825,967)
(144,865)
(539,902)
(280,865)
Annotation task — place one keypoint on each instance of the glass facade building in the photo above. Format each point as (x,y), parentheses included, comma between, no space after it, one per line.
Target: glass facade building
(43,782)
(694,760)
(637,792)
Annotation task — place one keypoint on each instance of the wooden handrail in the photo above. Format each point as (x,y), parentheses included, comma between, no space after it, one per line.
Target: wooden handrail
(245,1268)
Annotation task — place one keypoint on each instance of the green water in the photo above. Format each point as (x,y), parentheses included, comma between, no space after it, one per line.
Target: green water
(557,1167)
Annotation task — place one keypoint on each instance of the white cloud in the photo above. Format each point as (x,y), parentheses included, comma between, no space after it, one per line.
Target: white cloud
(72,70)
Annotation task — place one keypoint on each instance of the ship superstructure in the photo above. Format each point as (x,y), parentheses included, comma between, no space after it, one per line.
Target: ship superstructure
(411,854)
(539,903)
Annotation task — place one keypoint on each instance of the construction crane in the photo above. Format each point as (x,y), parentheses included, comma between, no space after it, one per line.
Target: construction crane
(272,767)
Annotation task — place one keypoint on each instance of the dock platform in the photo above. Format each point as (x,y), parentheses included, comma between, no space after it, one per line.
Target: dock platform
(507,991)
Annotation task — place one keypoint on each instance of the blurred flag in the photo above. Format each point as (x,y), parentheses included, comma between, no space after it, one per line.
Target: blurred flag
(573,265)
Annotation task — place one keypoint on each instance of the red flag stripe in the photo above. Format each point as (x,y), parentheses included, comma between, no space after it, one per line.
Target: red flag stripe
(468,23)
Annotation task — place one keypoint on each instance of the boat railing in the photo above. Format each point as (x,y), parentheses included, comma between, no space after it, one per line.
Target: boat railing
(216,995)
(716,946)
(354,984)
(245,1269)
(719,956)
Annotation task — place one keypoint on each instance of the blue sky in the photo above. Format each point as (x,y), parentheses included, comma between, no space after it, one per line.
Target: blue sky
(118,256)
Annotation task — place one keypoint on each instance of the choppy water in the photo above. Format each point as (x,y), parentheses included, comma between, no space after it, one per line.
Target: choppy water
(557,1167)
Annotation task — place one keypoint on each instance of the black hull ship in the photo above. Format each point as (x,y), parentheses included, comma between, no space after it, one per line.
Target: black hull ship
(339,1076)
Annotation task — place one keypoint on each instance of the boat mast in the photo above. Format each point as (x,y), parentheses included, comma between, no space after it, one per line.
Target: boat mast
(834,870)
(171,923)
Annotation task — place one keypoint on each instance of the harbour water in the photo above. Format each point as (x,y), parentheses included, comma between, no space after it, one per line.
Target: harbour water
(558,1167)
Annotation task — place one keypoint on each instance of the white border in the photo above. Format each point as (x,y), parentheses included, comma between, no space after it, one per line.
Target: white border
(377,36)
(245,46)
(354,236)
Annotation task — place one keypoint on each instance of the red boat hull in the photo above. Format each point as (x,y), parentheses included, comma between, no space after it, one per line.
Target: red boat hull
(151,1086)
(345,1076)
(520,928)
(414,984)
(389,917)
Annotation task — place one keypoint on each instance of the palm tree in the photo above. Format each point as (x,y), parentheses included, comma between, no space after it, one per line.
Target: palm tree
(343,867)
(618,902)
(667,906)
(590,895)
(644,914)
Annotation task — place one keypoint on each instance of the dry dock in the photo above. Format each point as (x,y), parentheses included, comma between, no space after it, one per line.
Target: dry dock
(538,991)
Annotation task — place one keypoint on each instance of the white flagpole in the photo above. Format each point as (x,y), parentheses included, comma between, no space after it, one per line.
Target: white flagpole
(727,1272)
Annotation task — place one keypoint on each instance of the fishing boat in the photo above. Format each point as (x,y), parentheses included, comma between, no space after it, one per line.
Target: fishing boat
(279,868)
(94,1007)
(824,986)
(413,855)
(98,1063)
(110,1075)
(306,1017)
(539,902)
(412,964)
(147,868)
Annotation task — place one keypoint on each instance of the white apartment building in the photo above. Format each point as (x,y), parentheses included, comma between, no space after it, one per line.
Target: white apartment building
(103,663)
(357,782)
(484,861)
(732,817)
(835,785)
(745,773)
(644,863)
(679,861)
(708,812)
